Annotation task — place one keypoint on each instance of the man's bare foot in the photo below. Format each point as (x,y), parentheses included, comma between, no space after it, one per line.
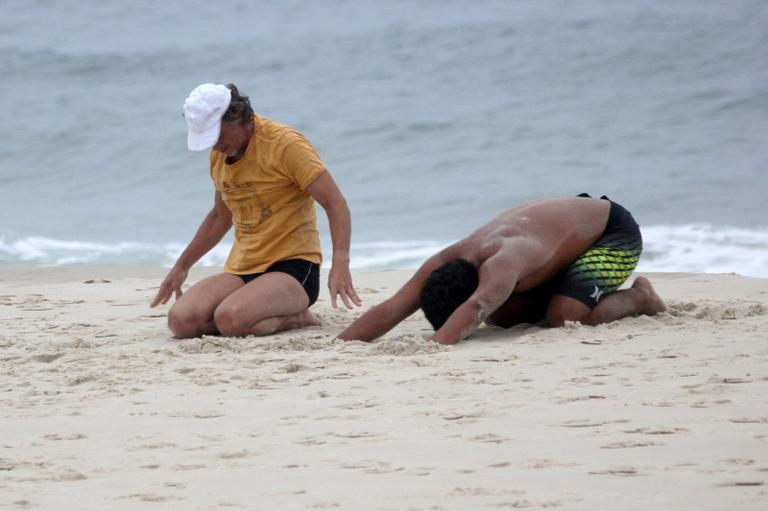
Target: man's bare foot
(270,326)
(653,304)
(306,318)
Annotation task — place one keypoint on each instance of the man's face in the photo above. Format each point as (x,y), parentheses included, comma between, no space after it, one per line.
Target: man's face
(231,139)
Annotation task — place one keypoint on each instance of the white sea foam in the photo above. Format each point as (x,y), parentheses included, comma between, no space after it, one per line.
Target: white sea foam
(40,251)
(705,248)
(669,248)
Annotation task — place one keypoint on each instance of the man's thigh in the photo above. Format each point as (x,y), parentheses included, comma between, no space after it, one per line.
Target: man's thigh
(202,298)
(269,295)
(565,308)
(529,307)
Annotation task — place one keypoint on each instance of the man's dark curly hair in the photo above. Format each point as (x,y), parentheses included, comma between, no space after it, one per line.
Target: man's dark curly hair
(446,288)
(239,107)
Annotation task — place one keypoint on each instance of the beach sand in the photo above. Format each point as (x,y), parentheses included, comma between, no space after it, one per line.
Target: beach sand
(101,409)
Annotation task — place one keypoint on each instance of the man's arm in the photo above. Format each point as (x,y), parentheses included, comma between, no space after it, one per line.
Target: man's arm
(383,317)
(324,190)
(498,277)
(211,230)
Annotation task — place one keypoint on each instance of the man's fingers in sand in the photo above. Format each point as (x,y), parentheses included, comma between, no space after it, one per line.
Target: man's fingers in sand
(160,296)
(334,292)
(167,293)
(350,298)
(345,299)
(164,294)
(354,296)
(338,293)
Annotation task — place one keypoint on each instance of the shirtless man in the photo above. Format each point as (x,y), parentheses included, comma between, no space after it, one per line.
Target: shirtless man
(559,259)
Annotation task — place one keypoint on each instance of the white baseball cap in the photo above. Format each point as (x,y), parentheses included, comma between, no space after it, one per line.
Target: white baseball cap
(203,110)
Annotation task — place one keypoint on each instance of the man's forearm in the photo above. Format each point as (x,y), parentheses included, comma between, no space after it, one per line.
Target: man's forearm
(462,322)
(208,235)
(340,224)
(371,325)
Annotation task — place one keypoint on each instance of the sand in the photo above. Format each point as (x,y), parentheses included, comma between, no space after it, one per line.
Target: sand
(101,409)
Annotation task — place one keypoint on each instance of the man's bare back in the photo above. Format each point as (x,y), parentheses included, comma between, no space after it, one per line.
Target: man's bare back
(579,241)
(551,232)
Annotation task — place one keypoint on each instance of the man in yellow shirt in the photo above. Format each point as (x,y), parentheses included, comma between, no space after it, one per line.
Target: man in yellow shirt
(267,177)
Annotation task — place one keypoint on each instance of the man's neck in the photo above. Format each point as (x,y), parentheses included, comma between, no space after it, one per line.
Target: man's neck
(248,135)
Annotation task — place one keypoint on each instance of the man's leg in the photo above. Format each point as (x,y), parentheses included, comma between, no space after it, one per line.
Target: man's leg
(268,304)
(639,299)
(192,314)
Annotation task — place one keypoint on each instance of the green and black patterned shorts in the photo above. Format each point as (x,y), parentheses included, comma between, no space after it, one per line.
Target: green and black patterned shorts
(608,263)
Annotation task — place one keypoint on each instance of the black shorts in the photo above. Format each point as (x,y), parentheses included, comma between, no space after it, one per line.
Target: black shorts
(305,272)
(607,264)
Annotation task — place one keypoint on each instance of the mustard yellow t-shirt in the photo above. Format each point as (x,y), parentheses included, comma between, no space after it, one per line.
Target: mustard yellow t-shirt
(273,214)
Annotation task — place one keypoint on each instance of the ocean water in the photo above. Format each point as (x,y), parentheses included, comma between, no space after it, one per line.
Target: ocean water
(432,116)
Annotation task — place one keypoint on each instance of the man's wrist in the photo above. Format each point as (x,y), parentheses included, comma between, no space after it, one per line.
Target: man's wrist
(180,265)
(342,258)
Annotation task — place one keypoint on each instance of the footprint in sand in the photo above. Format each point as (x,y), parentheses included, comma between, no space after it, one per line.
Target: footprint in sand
(490,438)
(156,445)
(148,497)
(522,504)
(57,436)
(234,455)
(737,484)
(628,445)
(564,400)
(514,504)
(196,415)
(186,467)
(79,380)
(483,492)
(69,475)
(618,471)
(536,464)
(419,471)
(310,440)
(736,380)
(708,404)
(46,358)
(582,423)
(657,431)
(357,434)
(357,405)
(372,467)
(750,420)
(739,461)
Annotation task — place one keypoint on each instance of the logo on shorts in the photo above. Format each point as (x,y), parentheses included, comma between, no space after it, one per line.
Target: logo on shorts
(596,294)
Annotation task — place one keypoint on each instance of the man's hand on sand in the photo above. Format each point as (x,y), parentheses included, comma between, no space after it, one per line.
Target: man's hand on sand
(172,283)
(340,283)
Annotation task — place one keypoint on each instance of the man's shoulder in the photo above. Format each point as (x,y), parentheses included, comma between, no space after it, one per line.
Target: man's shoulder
(276,132)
